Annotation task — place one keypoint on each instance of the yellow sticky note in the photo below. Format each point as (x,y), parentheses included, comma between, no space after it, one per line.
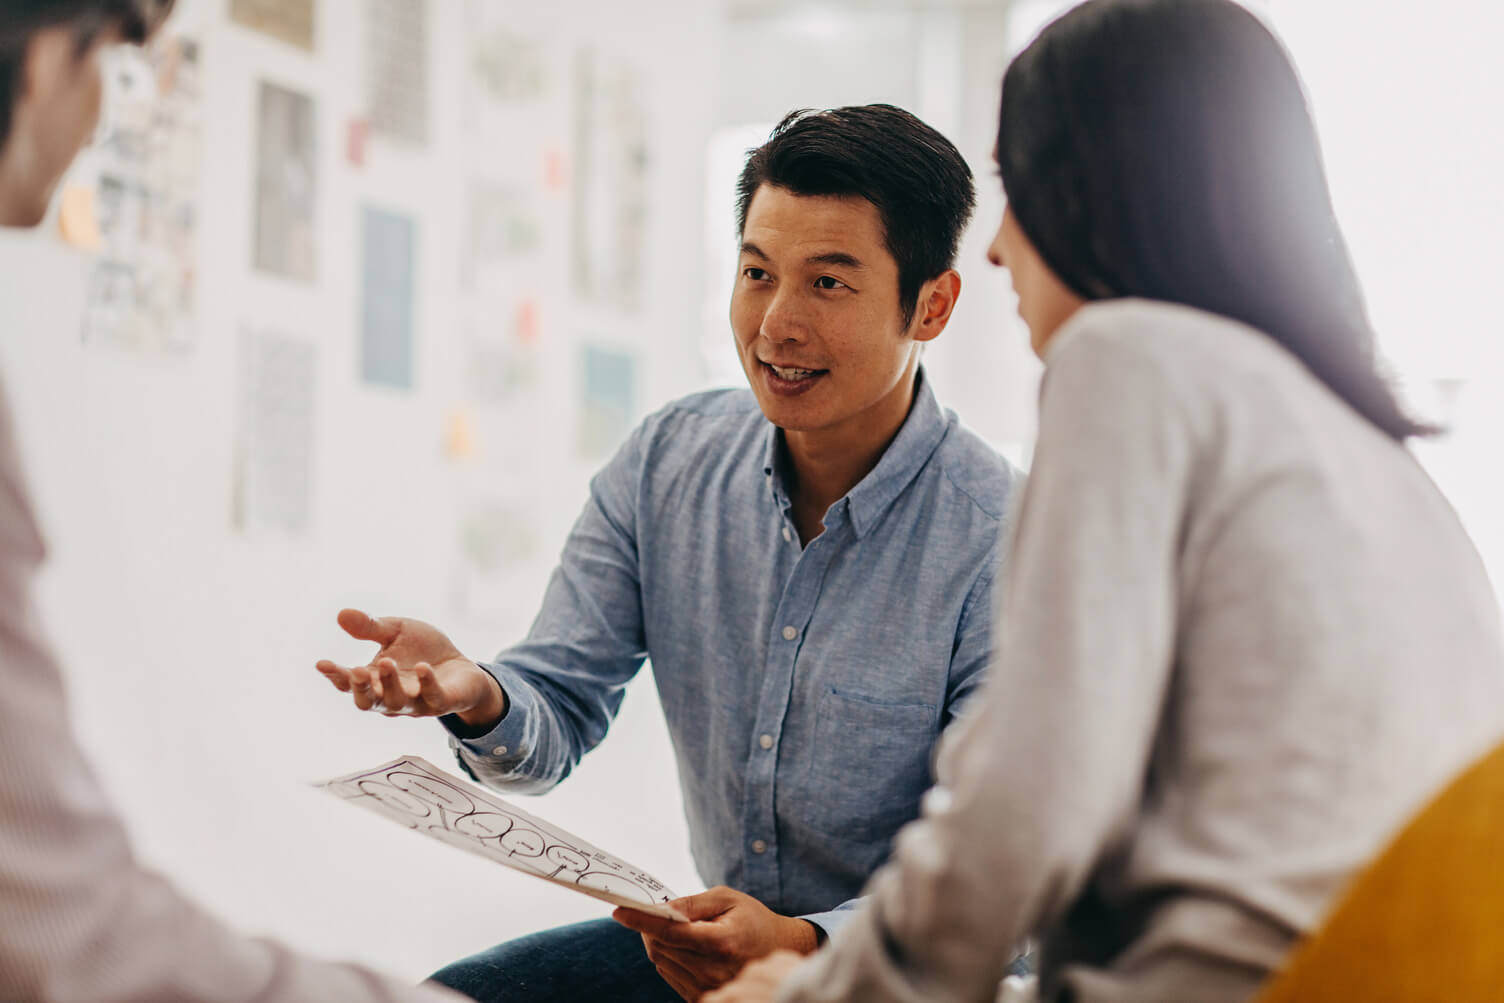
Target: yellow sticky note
(77,219)
(459,436)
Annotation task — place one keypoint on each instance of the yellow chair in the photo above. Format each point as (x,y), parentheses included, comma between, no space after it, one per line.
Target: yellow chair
(1425,920)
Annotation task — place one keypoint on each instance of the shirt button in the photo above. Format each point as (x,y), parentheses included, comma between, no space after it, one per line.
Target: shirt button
(766,741)
(787,536)
(500,750)
(789,633)
(759,847)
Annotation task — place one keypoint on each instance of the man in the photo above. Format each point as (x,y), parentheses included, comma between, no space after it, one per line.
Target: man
(809,567)
(80,918)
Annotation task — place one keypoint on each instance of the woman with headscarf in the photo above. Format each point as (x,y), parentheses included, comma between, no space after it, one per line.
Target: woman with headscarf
(1243,635)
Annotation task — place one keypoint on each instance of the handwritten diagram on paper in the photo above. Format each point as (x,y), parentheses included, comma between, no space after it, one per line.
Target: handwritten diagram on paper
(274,441)
(142,217)
(396,69)
(416,794)
(286,183)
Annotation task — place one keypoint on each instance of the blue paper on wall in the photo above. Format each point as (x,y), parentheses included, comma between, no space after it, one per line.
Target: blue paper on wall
(386,310)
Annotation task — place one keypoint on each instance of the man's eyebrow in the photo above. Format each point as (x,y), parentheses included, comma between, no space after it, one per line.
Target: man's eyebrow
(836,258)
(829,258)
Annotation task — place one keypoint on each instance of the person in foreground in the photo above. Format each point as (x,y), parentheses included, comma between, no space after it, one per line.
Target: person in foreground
(80,919)
(1242,636)
(808,565)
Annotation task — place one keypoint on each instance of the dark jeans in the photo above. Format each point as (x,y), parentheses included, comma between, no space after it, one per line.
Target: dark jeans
(592,961)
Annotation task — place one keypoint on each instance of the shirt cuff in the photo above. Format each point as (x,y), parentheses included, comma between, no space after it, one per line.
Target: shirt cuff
(828,923)
(502,745)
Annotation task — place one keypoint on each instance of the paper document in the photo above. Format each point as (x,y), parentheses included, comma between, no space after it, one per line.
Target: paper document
(416,794)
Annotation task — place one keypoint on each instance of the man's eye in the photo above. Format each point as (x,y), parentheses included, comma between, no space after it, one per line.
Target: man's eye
(826,282)
(755,274)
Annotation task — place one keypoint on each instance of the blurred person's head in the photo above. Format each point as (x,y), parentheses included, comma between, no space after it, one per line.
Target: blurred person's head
(1164,149)
(849,221)
(50,89)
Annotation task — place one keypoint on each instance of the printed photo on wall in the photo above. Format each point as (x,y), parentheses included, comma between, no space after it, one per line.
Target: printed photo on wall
(291,21)
(386,298)
(286,184)
(608,399)
(610,183)
(273,467)
(138,210)
(396,69)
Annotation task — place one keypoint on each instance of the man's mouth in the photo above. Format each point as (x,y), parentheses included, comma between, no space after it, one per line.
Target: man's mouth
(793,374)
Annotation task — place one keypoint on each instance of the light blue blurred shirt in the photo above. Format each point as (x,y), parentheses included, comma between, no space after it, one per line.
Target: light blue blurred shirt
(804,689)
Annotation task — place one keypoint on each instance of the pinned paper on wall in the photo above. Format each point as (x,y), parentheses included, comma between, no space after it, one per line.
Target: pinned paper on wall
(610,183)
(502,227)
(386,310)
(608,399)
(396,69)
(286,184)
(274,442)
(139,211)
(291,21)
(507,65)
(501,354)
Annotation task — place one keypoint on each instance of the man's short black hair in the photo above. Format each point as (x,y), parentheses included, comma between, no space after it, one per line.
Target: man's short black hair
(21,19)
(915,177)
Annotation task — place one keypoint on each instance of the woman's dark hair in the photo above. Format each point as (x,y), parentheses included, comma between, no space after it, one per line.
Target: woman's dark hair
(916,178)
(1163,149)
(21,19)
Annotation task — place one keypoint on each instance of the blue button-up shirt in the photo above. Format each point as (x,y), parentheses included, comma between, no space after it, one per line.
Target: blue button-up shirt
(804,688)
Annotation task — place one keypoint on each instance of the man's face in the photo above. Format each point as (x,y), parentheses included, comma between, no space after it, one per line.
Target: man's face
(816,313)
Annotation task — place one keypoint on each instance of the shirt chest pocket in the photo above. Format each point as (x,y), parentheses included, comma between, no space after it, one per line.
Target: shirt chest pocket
(869,766)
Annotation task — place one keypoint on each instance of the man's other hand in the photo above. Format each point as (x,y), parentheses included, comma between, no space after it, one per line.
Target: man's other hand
(727,929)
(418,672)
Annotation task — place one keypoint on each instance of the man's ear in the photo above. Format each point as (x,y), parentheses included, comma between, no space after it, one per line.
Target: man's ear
(937,299)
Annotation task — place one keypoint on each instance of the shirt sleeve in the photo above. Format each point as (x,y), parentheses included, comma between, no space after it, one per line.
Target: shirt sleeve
(565,682)
(1045,775)
(80,918)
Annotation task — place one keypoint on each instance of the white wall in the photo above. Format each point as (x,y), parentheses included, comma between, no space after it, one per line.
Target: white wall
(189,647)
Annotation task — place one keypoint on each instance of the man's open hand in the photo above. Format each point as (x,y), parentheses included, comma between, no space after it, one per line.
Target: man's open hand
(727,929)
(418,672)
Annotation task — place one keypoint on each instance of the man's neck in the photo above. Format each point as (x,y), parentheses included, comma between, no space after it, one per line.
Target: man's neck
(825,465)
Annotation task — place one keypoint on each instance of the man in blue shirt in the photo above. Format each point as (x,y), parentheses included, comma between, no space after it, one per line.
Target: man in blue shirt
(808,566)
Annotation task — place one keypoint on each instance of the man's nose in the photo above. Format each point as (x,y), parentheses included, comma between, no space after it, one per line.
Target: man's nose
(785,319)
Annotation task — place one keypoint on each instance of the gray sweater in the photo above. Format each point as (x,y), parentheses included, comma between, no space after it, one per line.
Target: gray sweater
(1242,638)
(81,920)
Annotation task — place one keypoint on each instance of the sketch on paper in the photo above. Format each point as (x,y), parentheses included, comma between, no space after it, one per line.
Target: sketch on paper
(610,183)
(274,444)
(142,215)
(288,20)
(414,793)
(500,351)
(386,299)
(501,228)
(608,399)
(396,69)
(286,185)
(507,66)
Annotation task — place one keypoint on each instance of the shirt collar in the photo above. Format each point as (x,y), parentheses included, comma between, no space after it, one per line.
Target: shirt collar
(901,462)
